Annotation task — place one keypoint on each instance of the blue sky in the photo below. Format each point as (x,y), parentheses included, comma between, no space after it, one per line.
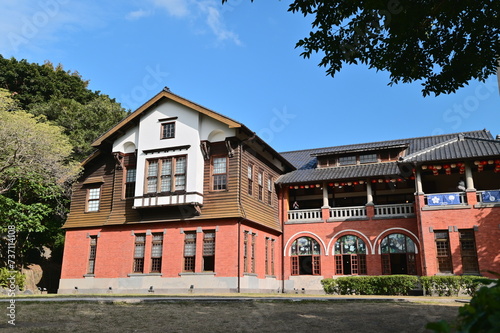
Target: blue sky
(238,59)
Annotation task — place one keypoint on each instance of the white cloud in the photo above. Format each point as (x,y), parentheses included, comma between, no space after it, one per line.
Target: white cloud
(178,8)
(203,14)
(137,14)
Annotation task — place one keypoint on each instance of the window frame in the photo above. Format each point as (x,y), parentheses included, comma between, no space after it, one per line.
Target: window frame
(357,258)
(296,257)
(216,175)
(90,199)
(209,251)
(464,253)
(129,186)
(173,175)
(165,133)
(260,182)
(139,241)
(250,176)
(189,260)
(270,190)
(347,160)
(92,254)
(156,259)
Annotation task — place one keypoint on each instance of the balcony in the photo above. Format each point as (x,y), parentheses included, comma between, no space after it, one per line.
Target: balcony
(305,215)
(337,214)
(348,213)
(170,199)
(488,198)
(445,199)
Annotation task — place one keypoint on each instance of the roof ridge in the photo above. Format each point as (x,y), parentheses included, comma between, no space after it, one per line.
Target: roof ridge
(382,141)
(434,147)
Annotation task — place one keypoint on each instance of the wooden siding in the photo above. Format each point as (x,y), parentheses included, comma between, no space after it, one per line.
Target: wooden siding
(221,203)
(103,168)
(233,202)
(259,211)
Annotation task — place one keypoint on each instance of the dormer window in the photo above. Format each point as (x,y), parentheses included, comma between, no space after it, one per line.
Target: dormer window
(347,160)
(168,130)
(368,158)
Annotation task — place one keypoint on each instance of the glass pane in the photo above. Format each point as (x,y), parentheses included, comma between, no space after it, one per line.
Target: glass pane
(397,243)
(410,246)
(94,193)
(166,183)
(151,185)
(219,165)
(180,183)
(130,175)
(180,165)
(166,167)
(250,171)
(153,168)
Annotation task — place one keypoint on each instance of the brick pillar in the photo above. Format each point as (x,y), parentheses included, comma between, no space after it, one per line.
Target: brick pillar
(456,257)
(471,196)
(325,213)
(370,210)
(147,252)
(198,264)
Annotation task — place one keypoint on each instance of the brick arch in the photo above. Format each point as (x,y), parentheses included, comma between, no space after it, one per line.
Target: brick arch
(387,232)
(286,251)
(351,232)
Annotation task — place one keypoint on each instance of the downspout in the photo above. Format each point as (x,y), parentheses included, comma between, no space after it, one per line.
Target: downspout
(240,156)
(282,253)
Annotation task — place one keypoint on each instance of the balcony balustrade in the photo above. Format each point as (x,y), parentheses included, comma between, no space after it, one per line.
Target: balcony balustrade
(405,210)
(488,197)
(396,210)
(445,199)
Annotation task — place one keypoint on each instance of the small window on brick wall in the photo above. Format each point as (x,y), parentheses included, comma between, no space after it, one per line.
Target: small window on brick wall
(140,244)
(92,254)
(156,252)
(209,251)
(189,251)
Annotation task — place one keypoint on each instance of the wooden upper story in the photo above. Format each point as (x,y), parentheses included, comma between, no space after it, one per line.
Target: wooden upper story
(175,160)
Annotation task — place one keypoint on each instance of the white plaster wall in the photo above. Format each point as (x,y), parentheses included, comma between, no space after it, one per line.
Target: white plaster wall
(190,128)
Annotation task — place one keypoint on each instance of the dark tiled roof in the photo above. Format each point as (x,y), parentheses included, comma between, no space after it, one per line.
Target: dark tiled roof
(344,172)
(438,147)
(458,148)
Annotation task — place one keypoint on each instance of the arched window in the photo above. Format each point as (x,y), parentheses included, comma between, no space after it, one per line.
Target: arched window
(305,256)
(398,255)
(350,256)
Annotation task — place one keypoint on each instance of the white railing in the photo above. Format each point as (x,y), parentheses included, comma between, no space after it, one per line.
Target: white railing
(488,196)
(445,199)
(304,215)
(406,209)
(348,212)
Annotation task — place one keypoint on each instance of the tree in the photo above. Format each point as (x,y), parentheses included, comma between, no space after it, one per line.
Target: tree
(444,44)
(35,177)
(82,123)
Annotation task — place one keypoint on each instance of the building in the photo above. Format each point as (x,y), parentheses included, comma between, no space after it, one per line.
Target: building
(178,198)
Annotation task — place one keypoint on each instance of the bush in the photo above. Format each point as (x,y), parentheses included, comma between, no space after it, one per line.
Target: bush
(370,285)
(482,314)
(451,285)
(6,278)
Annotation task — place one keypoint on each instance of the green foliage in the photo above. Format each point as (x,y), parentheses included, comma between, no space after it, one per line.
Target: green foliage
(94,119)
(34,83)
(451,285)
(443,44)
(6,278)
(482,314)
(370,285)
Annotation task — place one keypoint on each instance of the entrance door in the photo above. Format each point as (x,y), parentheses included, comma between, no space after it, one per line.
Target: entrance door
(346,262)
(398,263)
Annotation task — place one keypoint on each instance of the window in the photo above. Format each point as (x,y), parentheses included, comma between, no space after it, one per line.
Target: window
(156,252)
(92,254)
(270,191)
(272,256)
(166,174)
(168,130)
(350,256)
(266,261)
(443,251)
(468,251)
(209,251)
(305,256)
(398,255)
(140,244)
(130,182)
(347,160)
(260,181)
(245,252)
(189,251)
(269,259)
(93,199)
(250,179)
(368,158)
(219,173)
